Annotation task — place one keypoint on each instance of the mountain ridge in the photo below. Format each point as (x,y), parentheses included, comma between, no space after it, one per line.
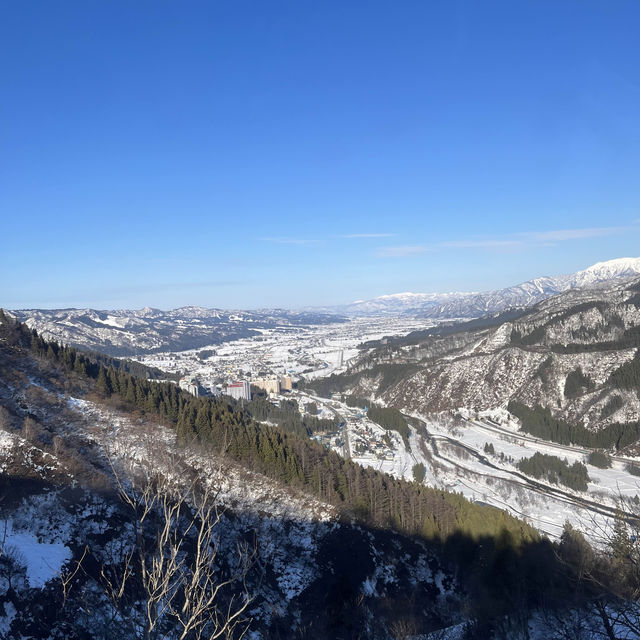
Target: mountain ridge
(575,355)
(142,331)
(472,304)
(147,330)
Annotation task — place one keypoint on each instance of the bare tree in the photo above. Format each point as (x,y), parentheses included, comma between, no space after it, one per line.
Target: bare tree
(570,624)
(30,429)
(609,578)
(6,419)
(12,565)
(170,581)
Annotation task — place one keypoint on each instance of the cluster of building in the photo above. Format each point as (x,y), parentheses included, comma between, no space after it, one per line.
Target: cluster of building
(367,442)
(274,385)
(239,389)
(330,439)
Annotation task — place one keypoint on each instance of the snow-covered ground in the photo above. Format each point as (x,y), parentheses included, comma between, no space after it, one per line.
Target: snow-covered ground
(152,446)
(455,460)
(43,559)
(494,479)
(308,351)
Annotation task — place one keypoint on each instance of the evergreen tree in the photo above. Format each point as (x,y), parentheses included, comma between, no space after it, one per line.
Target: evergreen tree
(102,383)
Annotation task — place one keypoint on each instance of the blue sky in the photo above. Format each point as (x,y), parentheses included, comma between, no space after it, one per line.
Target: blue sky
(251,154)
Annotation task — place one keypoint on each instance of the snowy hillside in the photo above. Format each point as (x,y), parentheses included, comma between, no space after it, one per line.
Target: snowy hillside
(87,489)
(561,354)
(117,524)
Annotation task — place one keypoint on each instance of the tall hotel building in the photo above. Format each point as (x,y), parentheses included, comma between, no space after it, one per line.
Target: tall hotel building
(239,390)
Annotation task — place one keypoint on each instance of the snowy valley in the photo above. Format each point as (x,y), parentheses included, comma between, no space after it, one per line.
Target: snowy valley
(355,501)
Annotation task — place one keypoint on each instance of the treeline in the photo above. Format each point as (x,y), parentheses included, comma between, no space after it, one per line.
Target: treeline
(223,427)
(390,418)
(538,333)
(627,376)
(325,387)
(371,497)
(629,339)
(634,300)
(539,422)
(600,305)
(386,376)
(555,470)
(577,383)
(387,417)
(444,330)
(534,337)
(288,417)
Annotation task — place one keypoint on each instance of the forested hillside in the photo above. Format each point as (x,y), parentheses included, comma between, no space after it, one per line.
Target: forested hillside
(226,428)
(450,551)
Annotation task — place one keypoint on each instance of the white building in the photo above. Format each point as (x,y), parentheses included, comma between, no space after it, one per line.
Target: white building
(190,384)
(240,390)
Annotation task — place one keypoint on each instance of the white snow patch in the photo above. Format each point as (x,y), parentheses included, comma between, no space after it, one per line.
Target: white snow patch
(43,560)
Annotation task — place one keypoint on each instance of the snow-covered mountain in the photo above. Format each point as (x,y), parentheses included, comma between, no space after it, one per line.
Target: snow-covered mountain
(147,330)
(587,338)
(406,302)
(474,304)
(603,271)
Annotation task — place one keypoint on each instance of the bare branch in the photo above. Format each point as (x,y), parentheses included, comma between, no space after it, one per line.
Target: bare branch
(174,563)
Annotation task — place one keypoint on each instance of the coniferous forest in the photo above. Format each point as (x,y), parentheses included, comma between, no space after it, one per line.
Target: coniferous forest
(555,470)
(507,565)
(539,422)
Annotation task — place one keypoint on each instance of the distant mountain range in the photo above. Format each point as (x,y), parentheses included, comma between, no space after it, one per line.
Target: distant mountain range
(143,331)
(474,304)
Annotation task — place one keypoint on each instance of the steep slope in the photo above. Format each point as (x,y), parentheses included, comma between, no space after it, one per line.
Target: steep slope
(603,271)
(296,542)
(575,354)
(67,449)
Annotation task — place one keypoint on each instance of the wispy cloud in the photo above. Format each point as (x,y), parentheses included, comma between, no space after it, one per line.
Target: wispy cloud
(401,252)
(289,240)
(366,235)
(511,242)
(482,244)
(561,235)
